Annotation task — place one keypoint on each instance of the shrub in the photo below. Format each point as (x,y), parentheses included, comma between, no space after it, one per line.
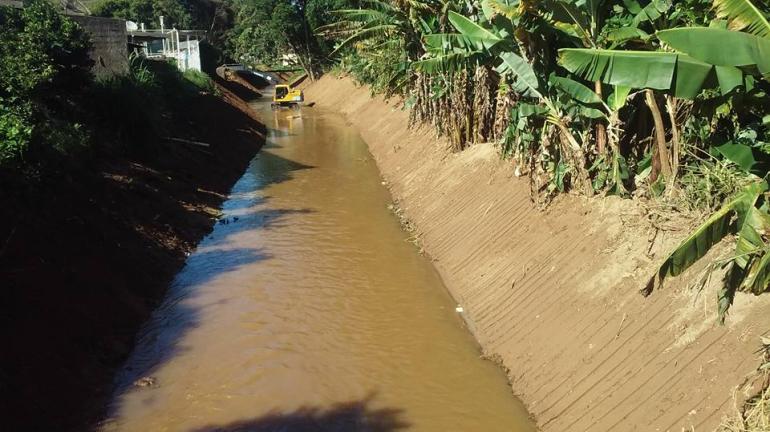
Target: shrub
(43,63)
(131,111)
(200,80)
(15,130)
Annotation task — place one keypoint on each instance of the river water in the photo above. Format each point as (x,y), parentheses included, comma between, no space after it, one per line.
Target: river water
(307,309)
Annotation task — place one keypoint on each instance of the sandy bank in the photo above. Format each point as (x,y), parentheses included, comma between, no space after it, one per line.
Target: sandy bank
(553,295)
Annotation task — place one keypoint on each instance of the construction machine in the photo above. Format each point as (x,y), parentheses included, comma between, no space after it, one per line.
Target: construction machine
(285,96)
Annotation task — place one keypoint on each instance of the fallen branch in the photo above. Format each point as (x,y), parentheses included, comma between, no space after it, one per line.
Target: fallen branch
(185,141)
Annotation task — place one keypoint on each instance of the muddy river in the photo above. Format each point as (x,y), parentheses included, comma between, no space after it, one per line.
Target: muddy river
(308,309)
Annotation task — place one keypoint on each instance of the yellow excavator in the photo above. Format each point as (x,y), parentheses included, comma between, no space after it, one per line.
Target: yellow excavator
(285,96)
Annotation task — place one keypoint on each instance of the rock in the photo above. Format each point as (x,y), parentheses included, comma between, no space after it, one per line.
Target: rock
(147,381)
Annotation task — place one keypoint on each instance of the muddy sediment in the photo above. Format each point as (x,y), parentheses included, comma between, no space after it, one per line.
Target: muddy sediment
(85,258)
(553,295)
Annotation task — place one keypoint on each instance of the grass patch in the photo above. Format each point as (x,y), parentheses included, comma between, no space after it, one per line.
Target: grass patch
(200,80)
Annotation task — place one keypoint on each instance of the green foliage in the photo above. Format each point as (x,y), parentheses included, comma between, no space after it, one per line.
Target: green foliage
(43,63)
(266,30)
(15,130)
(51,109)
(707,183)
(150,95)
(182,14)
(748,269)
(200,80)
(564,79)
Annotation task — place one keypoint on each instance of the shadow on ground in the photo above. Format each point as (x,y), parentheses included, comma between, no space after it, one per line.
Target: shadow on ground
(86,255)
(356,416)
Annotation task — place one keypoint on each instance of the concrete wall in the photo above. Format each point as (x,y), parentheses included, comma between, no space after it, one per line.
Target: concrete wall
(189,56)
(108,35)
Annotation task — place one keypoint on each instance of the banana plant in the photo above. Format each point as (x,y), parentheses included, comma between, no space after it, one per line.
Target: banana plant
(494,42)
(525,82)
(705,56)
(381,22)
(676,74)
(591,105)
(748,268)
(472,44)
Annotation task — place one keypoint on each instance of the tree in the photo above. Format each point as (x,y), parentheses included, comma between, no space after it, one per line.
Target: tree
(174,13)
(43,61)
(265,30)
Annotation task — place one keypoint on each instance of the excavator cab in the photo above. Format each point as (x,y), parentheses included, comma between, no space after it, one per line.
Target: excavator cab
(285,96)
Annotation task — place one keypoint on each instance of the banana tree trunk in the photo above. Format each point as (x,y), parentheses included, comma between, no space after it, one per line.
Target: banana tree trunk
(671,107)
(572,149)
(661,161)
(601,130)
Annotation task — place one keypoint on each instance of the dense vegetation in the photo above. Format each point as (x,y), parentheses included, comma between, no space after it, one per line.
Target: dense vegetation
(54,112)
(265,30)
(182,14)
(40,72)
(634,98)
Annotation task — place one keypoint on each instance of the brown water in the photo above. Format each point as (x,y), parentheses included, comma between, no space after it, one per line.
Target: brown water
(311,311)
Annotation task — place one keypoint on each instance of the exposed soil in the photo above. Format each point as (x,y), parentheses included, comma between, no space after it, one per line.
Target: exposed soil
(553,295)
(85,259)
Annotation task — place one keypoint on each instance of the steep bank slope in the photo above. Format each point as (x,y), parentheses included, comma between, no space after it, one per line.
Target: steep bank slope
(84,259)
(553,296)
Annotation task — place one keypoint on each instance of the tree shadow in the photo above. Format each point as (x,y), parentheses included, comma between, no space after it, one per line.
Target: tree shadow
(160,339)
(245,211)
(354,416)
(278,133)
(264,170)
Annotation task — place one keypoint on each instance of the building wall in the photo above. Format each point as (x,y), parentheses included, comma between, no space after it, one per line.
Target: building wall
(108,35)
(189,56)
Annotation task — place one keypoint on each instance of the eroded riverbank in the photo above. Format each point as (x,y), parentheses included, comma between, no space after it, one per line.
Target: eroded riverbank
(307,308)
(86,255)
(553,296)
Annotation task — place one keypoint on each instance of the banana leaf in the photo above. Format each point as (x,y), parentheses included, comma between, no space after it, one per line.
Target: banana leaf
(749,270)
(679,73)
(526,80)
(758,278)
(720,47)
(506,8)
(739,154)
(714,229)
(618,97)
(474,30)
(576,90)
(444,63)
(749,240)
(742,15)
(440,43)
(652,11)
(623,34)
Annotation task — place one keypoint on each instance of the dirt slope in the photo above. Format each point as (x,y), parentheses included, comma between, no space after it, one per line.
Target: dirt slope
(86,256)
(553,295)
